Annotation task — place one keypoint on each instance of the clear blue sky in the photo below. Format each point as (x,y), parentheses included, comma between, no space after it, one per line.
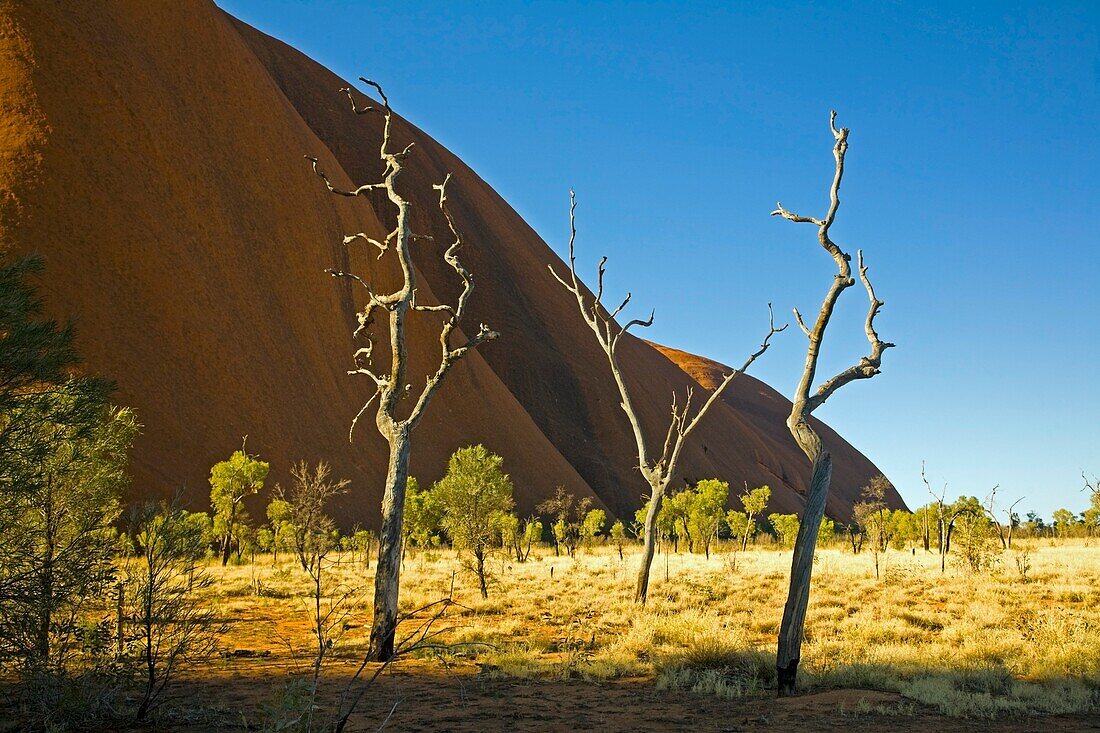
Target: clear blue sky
(972,184)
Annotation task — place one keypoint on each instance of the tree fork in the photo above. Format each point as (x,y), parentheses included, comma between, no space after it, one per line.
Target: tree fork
(791,629)
(391,387)
(658,472)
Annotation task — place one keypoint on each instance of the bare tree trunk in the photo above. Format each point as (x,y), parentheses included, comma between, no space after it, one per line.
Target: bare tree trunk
(798,598)
(649,542)
(479,556)
(387,572)
(804,403)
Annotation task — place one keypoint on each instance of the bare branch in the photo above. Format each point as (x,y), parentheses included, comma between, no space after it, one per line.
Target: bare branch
(801,323)
(868,366)
(382,246)
(362,410)
(450,355)
(340,191)
(780,211)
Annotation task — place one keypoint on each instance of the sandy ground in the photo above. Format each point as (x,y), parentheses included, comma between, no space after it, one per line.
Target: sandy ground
(464,701)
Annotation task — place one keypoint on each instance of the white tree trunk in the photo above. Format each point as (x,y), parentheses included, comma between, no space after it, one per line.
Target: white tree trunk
(388,569)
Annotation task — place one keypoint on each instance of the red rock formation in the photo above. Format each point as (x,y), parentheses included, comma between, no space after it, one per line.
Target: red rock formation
(152,152)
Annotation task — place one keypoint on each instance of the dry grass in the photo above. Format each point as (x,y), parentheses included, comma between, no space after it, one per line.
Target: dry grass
(970,645)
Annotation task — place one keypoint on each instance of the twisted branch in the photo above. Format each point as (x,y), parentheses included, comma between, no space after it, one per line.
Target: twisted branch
(608,335)
(391,388)
(868,366)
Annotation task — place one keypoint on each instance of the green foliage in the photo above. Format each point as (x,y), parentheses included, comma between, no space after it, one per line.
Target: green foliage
(473,493)
(532,532)
(618,536)
(423,515)
(230,482)
(707,511)
(737,523)
(568,513)
(696,513)
(593,524)
(754,501)
(785,527)
(1064,522)
(973,535)
(59,542)
(826,532)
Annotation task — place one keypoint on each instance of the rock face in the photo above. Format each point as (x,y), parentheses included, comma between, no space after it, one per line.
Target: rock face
(153,154)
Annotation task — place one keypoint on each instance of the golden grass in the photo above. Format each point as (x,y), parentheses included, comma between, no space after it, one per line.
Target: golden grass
(974,645)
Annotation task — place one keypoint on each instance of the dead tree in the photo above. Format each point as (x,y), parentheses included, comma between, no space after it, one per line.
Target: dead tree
(804,403)
(658,472)
(945,519)
(1004,532)
(390,387)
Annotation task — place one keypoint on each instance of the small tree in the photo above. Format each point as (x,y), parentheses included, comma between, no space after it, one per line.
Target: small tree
(395,418)
(310,527)
(707,511)
(511,537)
(592,524)
(677,515)
(1064,521)
(737,523)
(279,514)
(803,405)
(568,513)
(618,536)
(169,627)
(230,482)
(754,502)
(873,516)
(473,493)
(532,535)
(826,532)
(974,534)
(785,527)
(423,514)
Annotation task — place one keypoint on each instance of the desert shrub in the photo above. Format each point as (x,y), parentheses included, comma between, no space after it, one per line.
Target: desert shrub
(473,493)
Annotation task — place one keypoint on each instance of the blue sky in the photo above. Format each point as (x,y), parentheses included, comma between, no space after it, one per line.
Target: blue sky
(972,184)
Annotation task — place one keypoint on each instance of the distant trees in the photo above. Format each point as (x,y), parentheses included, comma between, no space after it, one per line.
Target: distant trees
(785,527)
(754,502)
(395,417)
(658,471)
(592,525)
(279,515)
(804,404)
(230,482)
(474,492)
(568,513)
(698,512)
(873,516)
